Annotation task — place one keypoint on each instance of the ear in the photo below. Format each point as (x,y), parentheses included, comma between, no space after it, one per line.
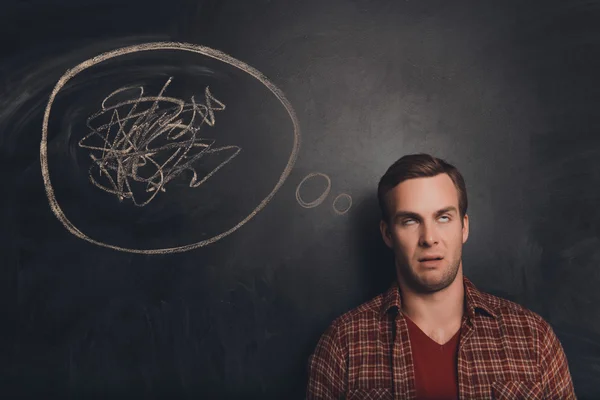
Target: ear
(465,229)
(385,233)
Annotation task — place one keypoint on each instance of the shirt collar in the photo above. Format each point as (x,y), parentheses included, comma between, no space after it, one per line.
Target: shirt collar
(474,299)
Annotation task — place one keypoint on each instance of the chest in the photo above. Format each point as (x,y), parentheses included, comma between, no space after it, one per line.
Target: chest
(487,360)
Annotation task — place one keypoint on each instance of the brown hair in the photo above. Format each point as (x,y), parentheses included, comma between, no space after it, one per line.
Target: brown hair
(419,166)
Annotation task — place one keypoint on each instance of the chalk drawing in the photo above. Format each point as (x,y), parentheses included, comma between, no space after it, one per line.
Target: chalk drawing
(158,46)
(131,142)
(339,197)
(320,199)
(323,196)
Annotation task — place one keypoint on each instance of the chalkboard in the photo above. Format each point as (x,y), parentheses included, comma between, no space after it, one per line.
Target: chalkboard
(189,187)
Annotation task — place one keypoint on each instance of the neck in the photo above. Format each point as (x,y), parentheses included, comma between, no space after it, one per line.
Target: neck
(438,310)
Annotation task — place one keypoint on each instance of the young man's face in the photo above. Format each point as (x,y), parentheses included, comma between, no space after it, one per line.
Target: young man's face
(425,222)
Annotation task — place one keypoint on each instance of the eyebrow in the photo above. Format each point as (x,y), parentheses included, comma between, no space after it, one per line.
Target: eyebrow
(410,214)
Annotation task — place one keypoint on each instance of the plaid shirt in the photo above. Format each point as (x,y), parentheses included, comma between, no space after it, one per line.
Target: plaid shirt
(505,352)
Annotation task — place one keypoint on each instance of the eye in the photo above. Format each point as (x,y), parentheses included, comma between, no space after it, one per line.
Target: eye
(406,221)
(446,216)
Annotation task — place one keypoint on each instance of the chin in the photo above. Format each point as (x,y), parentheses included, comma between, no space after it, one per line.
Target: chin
(432,281)
(435,286)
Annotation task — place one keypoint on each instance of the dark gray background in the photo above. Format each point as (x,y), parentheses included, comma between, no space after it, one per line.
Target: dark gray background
(506,91)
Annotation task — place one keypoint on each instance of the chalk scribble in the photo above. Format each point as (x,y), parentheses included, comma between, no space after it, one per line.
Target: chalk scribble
(169,46)
(148,141)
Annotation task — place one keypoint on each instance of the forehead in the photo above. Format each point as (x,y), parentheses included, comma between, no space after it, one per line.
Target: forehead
(423,195)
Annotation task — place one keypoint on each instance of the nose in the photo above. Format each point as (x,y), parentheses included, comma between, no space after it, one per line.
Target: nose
(429,234)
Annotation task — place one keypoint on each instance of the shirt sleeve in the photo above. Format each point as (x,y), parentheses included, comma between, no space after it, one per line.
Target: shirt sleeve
(556,377)
(327,368)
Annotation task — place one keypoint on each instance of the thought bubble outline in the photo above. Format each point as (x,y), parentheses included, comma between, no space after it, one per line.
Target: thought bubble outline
(205,51)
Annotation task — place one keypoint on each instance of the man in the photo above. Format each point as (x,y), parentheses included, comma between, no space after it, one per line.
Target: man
(433,335)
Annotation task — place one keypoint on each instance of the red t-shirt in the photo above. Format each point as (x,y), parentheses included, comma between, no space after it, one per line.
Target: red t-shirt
(436,365)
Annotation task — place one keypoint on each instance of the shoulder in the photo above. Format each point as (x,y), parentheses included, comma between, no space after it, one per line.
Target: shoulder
(366,311)
(342,332)
(364,317)
(515,318)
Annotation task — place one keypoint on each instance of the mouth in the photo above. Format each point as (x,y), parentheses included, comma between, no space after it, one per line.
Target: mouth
(425,259)
(430,262)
